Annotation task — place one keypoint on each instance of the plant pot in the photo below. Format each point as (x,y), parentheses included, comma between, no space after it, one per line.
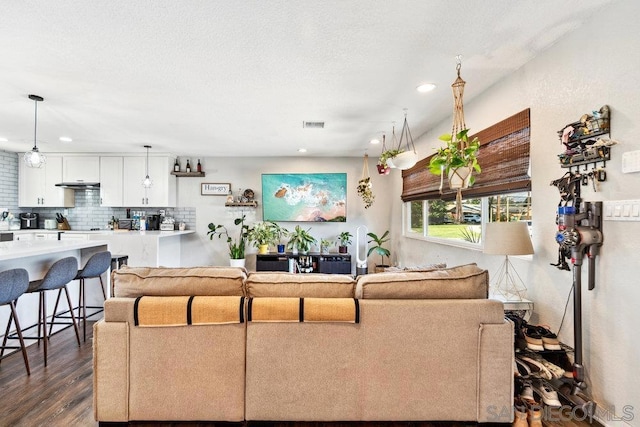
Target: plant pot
(383,170)
(237,262)
(405,160)
(263,249)
(280,249)
(342,249)
(460,177)
(380,268)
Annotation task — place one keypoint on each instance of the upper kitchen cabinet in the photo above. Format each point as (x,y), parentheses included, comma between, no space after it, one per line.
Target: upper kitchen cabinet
(80,169)
(163,190)
(37,186)
(111,181)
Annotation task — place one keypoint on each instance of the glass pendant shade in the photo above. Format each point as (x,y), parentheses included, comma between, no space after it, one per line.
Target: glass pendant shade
(34,158)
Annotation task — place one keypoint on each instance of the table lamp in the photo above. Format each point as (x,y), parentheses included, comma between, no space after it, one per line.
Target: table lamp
(508,238)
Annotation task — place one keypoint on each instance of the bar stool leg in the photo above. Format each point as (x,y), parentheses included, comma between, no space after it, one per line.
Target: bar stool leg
(6,335)
(14,315)
(84,310)
(55,310)
(73,318)
(43,321)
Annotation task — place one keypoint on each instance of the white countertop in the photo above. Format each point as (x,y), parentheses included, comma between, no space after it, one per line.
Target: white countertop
(106,232)
(29,248)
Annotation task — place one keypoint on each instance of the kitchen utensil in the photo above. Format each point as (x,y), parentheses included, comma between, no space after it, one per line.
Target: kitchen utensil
(50,224)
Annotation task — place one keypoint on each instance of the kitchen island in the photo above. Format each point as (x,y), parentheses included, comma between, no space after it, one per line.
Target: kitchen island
(36,256)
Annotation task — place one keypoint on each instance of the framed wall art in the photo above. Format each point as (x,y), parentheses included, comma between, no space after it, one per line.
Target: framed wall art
(304,197)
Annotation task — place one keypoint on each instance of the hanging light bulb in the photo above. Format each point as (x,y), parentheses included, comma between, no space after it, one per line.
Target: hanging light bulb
(34,158)
(147,182)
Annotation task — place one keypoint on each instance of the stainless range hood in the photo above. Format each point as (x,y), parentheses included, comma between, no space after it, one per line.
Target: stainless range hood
(79,185)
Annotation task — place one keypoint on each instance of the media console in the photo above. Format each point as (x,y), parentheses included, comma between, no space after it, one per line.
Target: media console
(314,262)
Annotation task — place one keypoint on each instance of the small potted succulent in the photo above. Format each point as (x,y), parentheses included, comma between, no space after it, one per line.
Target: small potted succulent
(345,239)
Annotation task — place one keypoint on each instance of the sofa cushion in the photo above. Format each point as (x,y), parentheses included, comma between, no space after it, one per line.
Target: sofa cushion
(134,282)
(270,284)
(461,282)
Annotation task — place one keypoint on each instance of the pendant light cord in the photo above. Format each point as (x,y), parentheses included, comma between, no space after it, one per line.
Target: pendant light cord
(35,128)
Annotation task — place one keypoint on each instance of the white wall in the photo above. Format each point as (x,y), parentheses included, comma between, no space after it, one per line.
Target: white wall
(243,172)
(595,65)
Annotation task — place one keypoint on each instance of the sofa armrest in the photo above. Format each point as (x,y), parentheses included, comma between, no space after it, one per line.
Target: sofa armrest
(495,381)
(111,371)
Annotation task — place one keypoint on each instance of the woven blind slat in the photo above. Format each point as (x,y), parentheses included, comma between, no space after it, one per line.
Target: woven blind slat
(503,156)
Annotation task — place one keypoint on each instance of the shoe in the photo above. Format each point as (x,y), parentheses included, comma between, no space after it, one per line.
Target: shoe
(549,396)
(537,368)
(550,370)
(535,417)
(549,339)
(520,415)
(526,395)
(522,369)
(533,338)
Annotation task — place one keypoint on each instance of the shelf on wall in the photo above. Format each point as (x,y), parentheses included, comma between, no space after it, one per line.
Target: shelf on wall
(253,204)
(188,174)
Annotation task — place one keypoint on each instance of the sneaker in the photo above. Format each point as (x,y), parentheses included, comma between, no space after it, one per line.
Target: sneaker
(533,338)
(548,395)
(549,339)
(526,395)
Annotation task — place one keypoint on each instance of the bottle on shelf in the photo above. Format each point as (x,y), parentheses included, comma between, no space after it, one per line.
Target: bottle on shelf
(188,169)
(176,166)
(199,166)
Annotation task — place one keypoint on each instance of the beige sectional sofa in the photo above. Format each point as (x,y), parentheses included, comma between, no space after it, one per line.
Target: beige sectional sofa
(423,346)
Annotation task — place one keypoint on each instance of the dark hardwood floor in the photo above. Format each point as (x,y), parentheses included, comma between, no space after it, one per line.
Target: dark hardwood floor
(61,393)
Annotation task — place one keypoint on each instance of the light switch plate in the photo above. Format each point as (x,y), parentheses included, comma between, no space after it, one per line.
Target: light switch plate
(621,210)
(631,161)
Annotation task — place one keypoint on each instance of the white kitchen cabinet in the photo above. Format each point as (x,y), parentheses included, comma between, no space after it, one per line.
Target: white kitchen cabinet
(37,186)
(111,181)
(81,169)
(163,191)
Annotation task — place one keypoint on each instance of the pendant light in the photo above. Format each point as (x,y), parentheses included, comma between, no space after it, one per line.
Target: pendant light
(147,183)
(34,158)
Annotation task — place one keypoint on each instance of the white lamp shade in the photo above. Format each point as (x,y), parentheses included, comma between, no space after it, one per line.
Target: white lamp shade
(507,238)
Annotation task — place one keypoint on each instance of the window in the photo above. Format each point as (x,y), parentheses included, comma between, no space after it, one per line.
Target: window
(501,192)
(439,217)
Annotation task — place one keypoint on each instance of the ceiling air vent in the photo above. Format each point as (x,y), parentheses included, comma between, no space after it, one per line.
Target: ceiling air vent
(313,125)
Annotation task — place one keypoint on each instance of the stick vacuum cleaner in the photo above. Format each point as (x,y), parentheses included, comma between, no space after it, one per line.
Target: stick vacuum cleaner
(582,235)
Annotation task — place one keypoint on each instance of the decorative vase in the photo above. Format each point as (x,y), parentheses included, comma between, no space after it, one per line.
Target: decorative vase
(263,249)
(237,262)
(294,250)
(280,249)
(460,177)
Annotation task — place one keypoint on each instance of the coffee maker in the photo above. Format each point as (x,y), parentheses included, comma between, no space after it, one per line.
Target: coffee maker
(29,220)
(153,222)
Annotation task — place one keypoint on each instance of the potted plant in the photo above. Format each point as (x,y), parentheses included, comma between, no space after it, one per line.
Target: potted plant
(383,162)
(383,252)
(281,233)
(236,247)
(458,159)
(364,191)
(300,240)
(324,245)
(262,234)
(345,239)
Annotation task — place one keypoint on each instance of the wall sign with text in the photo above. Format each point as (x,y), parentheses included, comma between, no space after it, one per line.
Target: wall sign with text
(214,189)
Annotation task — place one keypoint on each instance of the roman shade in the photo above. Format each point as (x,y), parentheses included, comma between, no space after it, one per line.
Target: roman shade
(503,156)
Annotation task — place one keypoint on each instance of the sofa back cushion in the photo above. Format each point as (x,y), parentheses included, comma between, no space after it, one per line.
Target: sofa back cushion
(269,284)
(461,282)
(134,282)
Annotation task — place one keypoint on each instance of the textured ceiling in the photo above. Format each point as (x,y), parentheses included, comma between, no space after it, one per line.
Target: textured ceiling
(238,78)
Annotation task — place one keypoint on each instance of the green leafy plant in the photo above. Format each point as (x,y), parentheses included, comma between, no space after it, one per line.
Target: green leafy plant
(324,245)
(345,238)
(378,248)
(262,233)
(386,155)
(470,235)
(281,232)
(301,239)
(364,191)
(455,154)
(237,246)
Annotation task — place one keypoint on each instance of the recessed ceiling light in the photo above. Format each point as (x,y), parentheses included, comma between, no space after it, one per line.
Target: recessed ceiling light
(302,150)
(65,139)
(426,87)
(2,139)
(374,141)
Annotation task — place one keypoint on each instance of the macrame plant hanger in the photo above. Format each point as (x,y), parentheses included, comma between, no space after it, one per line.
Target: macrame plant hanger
(458,126)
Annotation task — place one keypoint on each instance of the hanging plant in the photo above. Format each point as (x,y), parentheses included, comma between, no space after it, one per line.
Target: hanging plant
(383,167)
(364,185)
(405,159)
